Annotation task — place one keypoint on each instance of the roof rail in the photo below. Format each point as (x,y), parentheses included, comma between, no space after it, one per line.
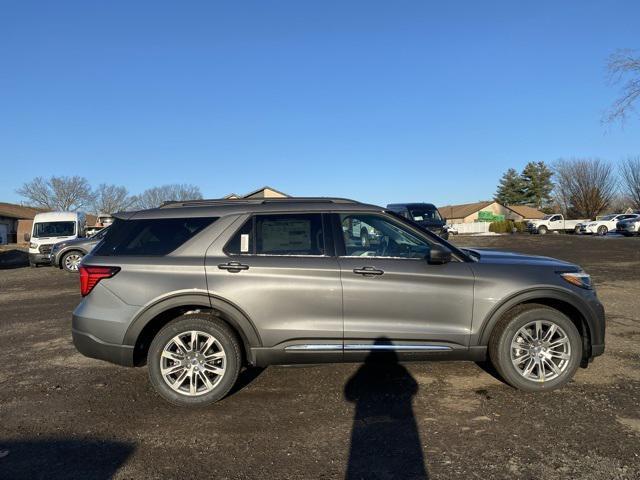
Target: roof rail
(252,201)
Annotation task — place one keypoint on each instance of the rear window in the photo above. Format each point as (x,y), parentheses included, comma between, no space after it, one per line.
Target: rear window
(150,237)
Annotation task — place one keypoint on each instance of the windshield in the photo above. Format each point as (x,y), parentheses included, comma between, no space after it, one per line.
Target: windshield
(421,214)
(54,229)
(608,217)
(547,217)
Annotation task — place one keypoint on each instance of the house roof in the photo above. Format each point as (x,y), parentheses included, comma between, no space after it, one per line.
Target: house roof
(258,193)
(525,211)
(464,210)
(12,210)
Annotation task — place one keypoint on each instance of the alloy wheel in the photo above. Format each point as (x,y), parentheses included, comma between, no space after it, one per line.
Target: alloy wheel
(72,262)
(540,351)
(193,363)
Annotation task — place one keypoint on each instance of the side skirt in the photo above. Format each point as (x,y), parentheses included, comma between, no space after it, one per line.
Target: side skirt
(355,353)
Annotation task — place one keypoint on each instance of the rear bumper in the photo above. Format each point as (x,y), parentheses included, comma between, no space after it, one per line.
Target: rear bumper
(93,347)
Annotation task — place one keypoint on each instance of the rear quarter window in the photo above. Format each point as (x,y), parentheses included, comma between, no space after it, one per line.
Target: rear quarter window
(150,237)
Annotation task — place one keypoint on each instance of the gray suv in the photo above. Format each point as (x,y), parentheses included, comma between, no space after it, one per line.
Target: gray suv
(197,290)
(68,255)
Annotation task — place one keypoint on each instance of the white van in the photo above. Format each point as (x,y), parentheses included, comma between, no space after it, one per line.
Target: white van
(50,228)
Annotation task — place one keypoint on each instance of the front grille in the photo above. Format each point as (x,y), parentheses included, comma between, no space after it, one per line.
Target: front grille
(45,248)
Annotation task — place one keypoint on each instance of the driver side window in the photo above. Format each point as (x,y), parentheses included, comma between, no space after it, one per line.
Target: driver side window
(367,235)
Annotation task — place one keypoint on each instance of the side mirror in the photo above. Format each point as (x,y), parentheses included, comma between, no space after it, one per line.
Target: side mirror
(439,255)
(27,237)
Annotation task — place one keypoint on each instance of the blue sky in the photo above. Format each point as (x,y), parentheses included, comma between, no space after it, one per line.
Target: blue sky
(378,101)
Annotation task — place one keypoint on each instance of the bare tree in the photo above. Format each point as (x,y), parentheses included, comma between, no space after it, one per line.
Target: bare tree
(624,69)
(630,179)
(584,186)
(156,196)
(111,199)
(57,193)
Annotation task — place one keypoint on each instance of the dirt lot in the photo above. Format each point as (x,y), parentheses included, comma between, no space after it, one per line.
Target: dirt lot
(66,416)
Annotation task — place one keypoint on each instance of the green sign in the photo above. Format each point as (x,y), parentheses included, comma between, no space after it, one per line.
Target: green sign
(489,217)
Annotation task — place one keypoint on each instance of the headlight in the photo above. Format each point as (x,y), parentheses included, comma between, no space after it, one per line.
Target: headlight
(579,279)
(33,245)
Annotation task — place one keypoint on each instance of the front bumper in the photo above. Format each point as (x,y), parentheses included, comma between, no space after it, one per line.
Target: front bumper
(39,259)
(597,325)
(93,347)
(628,230)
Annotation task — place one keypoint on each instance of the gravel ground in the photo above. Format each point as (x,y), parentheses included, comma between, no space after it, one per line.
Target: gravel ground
(66,416)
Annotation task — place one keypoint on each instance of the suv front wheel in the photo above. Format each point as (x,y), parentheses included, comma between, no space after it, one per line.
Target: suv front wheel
(194,360)
(536,348)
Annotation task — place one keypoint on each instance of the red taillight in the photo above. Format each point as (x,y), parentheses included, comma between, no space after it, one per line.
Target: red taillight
(91,275)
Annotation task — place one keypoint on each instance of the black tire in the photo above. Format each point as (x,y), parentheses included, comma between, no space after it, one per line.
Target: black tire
(505,331)
(542,230)
(203,323)
(63,261)
(602,230)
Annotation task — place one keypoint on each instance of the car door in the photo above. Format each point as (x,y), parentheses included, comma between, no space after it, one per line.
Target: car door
(281,271)
(556,223)
(390,290)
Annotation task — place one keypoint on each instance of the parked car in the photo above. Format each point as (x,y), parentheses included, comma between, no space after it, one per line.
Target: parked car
(554,223)
(629,227)
(50,228)
(198,289)
(424,214)
(605,224)
(69,253)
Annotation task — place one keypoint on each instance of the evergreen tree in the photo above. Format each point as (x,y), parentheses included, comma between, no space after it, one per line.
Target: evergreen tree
(510,189)
(537,184)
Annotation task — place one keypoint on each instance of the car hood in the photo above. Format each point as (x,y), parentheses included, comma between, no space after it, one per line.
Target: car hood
(484,255)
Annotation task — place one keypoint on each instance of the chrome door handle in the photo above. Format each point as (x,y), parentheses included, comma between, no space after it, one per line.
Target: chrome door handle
(233,267)
(368,271)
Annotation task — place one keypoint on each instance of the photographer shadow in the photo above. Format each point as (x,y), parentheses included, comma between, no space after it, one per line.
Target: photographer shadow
(385,442)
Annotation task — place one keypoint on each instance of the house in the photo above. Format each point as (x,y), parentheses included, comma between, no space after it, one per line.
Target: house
(488,211)
(15,221)
(525,212)
(264,192)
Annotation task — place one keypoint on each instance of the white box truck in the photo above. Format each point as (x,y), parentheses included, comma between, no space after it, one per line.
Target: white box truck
(50,228)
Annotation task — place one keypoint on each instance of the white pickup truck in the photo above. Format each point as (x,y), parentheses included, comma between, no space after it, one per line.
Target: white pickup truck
(554,223)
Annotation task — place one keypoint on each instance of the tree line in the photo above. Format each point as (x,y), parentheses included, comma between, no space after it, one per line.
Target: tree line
(577,187)
(75,193)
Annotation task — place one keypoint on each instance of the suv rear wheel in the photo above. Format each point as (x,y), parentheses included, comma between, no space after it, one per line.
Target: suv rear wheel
(194,360)
(536,348)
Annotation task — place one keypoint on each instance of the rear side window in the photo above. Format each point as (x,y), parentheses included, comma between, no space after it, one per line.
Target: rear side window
(285,234)
(150,236)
